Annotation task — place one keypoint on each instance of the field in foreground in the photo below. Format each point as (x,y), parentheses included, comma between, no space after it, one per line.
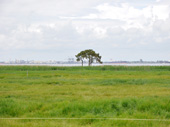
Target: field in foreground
(84,92)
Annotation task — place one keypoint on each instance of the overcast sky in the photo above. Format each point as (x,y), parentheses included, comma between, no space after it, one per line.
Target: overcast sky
(59,29)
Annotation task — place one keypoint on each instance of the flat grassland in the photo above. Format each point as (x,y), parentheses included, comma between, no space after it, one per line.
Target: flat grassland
(84,92)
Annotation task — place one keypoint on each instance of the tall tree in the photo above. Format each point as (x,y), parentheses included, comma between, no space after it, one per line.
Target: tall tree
(90,55)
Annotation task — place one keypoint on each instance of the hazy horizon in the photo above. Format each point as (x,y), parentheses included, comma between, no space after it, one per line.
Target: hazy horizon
(57,30)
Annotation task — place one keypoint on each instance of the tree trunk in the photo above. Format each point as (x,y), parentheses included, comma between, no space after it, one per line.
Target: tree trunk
(89,61)
(82,63)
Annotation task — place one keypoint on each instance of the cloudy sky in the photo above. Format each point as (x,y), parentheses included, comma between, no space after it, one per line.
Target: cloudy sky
(59,29)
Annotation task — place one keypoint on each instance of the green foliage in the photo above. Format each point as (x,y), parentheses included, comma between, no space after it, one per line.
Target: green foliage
(102,68)
(88,92)
(90,55)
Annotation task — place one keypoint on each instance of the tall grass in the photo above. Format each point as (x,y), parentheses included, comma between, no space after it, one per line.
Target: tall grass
(84,92)
(115,68)
(150,107)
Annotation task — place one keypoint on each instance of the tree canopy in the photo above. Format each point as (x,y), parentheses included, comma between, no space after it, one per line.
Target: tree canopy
(90,55)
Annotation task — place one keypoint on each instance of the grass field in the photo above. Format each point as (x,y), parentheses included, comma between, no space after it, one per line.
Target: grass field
(84,92)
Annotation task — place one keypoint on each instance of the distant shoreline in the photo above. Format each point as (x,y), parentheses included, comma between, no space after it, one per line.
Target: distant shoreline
(105,64)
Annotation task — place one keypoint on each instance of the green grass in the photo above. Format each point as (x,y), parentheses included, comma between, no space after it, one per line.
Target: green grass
(84,92)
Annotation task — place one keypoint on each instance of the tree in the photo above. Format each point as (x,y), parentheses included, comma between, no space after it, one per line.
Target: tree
(90,55)
(80,57)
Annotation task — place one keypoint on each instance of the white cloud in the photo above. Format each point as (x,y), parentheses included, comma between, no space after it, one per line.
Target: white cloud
(130,14)
(77,24)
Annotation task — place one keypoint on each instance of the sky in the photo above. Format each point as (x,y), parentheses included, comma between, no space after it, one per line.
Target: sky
(59,29)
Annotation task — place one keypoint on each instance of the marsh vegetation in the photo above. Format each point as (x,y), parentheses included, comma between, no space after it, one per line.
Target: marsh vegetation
(84,92)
